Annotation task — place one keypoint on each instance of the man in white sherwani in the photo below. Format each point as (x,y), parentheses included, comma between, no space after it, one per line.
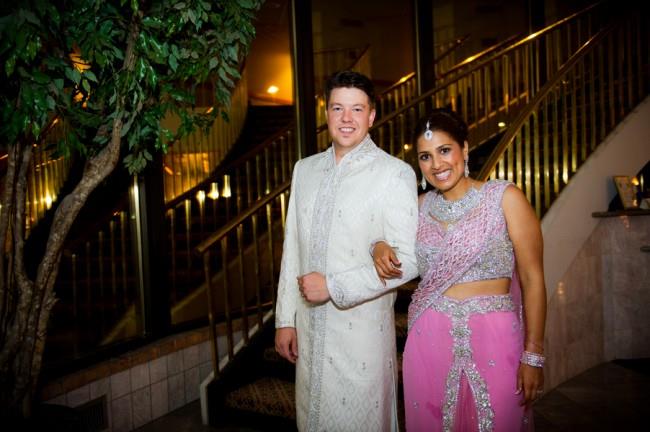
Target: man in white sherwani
(334,316)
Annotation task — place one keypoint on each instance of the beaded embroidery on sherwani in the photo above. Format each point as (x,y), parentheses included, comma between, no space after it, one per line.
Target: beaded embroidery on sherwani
(318,246)
(320,228)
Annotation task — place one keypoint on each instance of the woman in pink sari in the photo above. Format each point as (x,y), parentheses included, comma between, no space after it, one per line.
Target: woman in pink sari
(474,353)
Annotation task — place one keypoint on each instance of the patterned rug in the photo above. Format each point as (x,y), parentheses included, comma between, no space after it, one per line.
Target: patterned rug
(267,396)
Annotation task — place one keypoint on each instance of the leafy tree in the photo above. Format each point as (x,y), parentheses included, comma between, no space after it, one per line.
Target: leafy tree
(109,70)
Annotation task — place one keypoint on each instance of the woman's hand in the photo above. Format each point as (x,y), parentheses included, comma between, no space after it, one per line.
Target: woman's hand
(530,383)
(386,262)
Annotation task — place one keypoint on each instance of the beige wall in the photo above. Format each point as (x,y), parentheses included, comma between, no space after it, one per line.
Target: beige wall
(586,267)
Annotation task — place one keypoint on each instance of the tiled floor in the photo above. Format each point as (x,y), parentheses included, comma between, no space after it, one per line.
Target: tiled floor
(609,397)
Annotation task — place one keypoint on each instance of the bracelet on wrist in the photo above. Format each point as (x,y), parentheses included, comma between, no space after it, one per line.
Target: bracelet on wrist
(532,359)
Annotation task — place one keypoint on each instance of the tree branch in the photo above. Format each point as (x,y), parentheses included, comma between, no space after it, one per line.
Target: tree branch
(5,215)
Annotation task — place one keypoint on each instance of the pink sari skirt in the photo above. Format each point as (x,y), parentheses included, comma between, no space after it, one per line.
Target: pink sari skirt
(460,367)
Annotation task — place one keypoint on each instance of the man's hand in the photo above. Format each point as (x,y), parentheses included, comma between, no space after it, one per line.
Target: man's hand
(286,343)
(313,288)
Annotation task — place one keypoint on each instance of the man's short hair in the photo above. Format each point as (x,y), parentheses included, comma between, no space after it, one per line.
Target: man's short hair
(350,79)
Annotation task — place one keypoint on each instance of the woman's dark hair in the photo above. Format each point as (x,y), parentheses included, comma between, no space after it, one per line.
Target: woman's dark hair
(442,120)
(350,79)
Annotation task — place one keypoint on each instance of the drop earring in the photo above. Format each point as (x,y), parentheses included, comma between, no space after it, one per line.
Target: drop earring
(423,183)
(466,168)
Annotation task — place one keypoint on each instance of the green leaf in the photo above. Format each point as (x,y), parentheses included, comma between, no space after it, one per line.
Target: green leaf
(86,85)
(73,75)
(140,69)
(192,16)
(213,63)
(173,62)
(10,64)
(90,75)
(31,18)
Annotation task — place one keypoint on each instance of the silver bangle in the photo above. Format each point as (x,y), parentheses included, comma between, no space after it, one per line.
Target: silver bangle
(532,359)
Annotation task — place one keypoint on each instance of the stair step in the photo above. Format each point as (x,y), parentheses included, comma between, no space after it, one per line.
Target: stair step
(267,396)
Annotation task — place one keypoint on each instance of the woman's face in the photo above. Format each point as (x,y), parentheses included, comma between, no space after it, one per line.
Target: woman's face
(442,160)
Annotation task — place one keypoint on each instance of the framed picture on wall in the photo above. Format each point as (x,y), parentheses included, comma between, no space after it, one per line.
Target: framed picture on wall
(626,191)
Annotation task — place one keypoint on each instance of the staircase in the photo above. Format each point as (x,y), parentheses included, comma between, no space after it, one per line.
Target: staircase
(262,122)
(265,398)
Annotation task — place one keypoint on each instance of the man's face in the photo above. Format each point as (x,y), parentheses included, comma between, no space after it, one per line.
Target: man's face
(349,116)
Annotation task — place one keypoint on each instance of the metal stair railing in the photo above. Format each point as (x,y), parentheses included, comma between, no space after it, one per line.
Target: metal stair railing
(574,111)
(243,259)
(490,93)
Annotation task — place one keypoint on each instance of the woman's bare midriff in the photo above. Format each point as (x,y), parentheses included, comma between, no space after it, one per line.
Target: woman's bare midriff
(479,288)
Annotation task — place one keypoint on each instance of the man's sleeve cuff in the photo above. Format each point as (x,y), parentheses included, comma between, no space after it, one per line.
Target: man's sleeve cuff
(336,290)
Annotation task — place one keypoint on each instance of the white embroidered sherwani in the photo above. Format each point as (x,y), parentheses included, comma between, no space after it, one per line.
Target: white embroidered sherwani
(346,373)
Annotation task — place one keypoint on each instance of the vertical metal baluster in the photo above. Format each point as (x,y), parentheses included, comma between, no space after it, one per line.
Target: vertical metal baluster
(519,154)
(618,34)
(547,167)
(509,153)
(565,136)
(89,288)
(612,82)
(187,205)
(269,230)
(639,56)
(102,298)
(527,158)
(536,163)
(556,144)
(238,192)
(242,282)
(123,224)
(75,290)
(171,214)
(113,263)
(277,157)
(256,272)
(212,311)
(226,298)
(284,158)
(258,180)
(267,170)
(582,106)
(571,80)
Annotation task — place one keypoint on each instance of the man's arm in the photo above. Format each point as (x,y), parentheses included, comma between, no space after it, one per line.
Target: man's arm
(362,283)
(286,340)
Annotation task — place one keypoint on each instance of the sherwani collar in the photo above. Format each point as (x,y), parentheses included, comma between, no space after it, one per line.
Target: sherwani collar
(361,151)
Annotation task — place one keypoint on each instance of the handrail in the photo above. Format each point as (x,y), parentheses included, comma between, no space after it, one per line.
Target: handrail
(516,125)
(453,46)
(397,83)
(233,223)
(221,170)
(527,40)
(490,50)
(556,132)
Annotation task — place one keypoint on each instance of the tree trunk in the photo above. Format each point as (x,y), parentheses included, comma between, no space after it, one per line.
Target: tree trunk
(26,304)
